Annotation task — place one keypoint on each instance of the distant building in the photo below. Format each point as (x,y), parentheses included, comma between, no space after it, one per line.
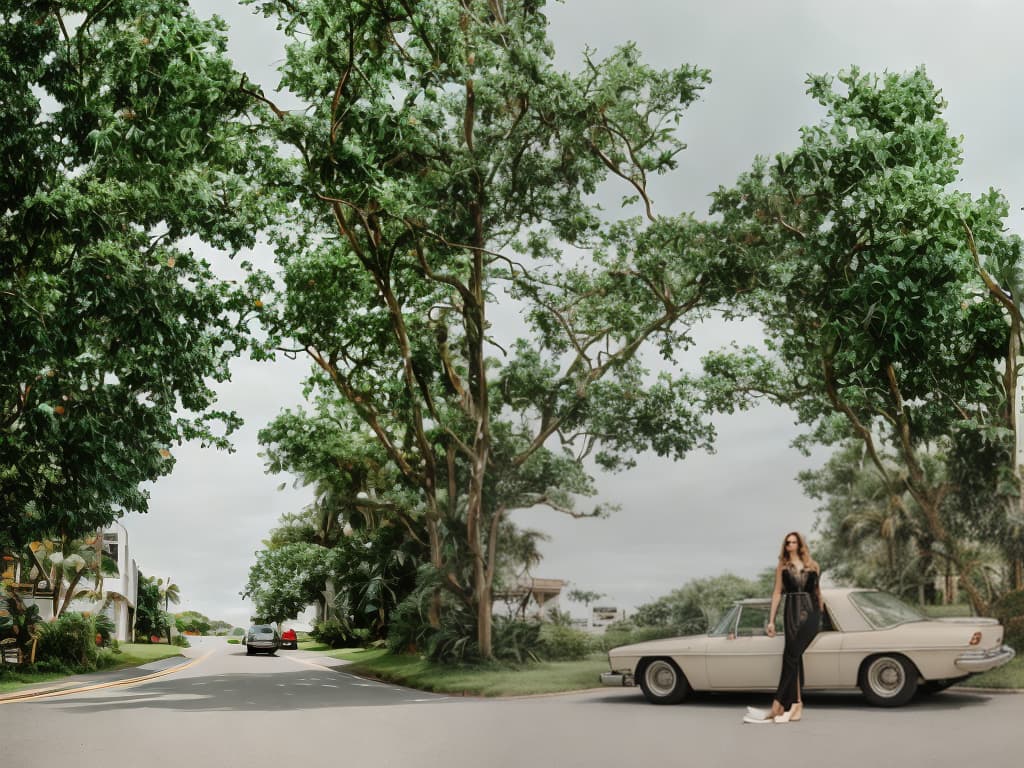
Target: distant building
(530,598)
(603,615)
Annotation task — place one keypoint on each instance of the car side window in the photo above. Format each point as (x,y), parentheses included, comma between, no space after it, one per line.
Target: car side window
(753,621)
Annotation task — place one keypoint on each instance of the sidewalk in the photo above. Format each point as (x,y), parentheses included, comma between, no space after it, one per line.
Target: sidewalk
(102,677)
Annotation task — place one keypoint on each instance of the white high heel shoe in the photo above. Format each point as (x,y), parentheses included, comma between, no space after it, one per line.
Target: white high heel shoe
(793,714)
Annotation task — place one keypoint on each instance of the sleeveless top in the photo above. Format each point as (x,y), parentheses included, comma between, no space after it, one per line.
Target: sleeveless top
(799,581)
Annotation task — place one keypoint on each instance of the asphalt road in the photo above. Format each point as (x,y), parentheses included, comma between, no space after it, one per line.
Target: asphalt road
(288,711)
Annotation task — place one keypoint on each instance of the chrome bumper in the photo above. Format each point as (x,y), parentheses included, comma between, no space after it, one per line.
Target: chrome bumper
(982,661)
(617,679)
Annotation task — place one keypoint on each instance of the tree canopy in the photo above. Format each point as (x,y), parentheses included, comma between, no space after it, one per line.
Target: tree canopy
(879,323)
(443,166)
(123,142)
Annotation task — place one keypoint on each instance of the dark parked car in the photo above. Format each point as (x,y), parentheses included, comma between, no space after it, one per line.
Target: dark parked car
(262,637)
(289,640)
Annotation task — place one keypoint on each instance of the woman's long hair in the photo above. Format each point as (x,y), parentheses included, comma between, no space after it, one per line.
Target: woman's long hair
(801,551)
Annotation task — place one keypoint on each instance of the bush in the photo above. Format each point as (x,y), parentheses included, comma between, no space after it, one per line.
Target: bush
(70,640)
(561,643)
(1009,606)
(1009,609)
(104,628)
(105,659)
(334,633)
(181,642)
(1014,636)
(513,640)
(624,633)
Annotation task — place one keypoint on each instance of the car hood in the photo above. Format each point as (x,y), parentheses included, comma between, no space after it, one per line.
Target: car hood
(674,645)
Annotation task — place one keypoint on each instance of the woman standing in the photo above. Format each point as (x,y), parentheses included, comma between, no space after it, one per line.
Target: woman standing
(797,576)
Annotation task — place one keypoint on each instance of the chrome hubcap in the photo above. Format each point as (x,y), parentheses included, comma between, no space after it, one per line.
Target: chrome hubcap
(886,677)
(660,677)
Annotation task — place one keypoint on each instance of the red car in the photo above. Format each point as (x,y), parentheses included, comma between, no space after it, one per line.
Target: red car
(288,640)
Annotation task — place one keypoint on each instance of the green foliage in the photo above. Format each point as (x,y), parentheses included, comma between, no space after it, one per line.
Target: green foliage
(410,631)
(192,621)
(516,641)
(22,622)
(560,643)
(1014,634)
(696,606)
(879,325)
(150,617)
(626,633)
(123,138)
(870,534)
(70,640)
(180,641)
(1009,609)
(285,580)
(336,634)
(439,169)
(104,627)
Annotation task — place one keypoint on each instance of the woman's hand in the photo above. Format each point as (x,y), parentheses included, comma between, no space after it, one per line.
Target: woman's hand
(770,629)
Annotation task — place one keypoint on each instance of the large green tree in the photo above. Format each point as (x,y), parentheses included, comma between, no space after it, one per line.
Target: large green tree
(877,318)
(445,166)
(123,145)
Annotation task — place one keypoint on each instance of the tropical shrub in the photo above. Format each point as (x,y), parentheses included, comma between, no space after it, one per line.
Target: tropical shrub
(1014,636)
(561,643)
(22,621)
(1009,609)
(625,633)
(515,640)
(70,640)
(104,629)
(334,633)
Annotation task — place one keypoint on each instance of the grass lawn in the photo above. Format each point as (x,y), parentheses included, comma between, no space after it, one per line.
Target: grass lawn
(132,655)
(484,680)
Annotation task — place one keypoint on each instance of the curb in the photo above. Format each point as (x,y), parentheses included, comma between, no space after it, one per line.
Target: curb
(58,690)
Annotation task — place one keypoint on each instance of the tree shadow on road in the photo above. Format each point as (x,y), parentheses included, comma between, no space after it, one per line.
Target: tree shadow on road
(274,691)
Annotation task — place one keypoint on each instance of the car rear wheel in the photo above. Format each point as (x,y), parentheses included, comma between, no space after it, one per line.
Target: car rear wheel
(888,680)
(663,682)
(248,651)
(272,653)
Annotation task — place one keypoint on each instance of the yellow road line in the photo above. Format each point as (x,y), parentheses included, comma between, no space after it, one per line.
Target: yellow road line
(111,684)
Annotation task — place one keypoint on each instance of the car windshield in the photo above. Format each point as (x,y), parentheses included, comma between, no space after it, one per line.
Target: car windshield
(261,630)
(728,622)
(883,610)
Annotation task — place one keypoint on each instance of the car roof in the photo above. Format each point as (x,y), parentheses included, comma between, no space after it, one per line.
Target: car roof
(843,612)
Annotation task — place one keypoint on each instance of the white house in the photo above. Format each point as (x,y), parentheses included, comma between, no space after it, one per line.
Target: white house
(119,595)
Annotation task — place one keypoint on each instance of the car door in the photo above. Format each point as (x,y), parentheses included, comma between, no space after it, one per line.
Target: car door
(746,658)
(821,659)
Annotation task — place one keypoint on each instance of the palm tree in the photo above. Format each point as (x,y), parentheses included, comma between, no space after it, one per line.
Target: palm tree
(169,593)
(69,562)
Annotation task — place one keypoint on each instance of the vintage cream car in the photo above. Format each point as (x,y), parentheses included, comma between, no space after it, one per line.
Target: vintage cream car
(869,640)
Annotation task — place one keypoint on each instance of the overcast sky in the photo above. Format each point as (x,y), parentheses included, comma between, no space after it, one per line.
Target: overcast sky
(710,513)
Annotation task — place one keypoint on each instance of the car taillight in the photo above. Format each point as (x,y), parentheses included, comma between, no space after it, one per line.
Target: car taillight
(975,638)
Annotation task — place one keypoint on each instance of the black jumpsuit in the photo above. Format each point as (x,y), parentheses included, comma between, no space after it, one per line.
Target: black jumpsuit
(802,620)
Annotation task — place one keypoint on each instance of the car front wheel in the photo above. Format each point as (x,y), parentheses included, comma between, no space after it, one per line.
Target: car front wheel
(888,680)
(663,682)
